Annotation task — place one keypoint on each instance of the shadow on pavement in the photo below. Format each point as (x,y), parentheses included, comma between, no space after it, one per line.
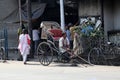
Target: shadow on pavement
(32,63)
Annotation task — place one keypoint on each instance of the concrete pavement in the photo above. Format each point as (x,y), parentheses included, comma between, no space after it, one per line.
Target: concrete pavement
(16,70)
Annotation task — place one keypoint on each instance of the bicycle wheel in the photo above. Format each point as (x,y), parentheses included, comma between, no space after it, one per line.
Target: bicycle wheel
(111,56)
(93,56)
(45,53)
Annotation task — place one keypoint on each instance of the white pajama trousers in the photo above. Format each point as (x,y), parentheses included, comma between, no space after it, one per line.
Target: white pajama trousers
(24,57)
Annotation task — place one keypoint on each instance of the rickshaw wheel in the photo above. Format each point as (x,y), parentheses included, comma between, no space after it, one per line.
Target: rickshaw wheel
(93,56)
(45,53)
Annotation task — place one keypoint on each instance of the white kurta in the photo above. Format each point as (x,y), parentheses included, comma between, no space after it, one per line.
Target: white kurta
(23,46)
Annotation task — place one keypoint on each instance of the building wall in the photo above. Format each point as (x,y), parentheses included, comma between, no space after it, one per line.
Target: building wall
(111,11)
(115,19)
(117,15)
(108,15)
(112,15)
(11,32)
(89,8)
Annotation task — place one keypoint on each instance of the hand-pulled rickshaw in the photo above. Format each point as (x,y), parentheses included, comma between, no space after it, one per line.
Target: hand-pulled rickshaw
(48,49)
(49,44)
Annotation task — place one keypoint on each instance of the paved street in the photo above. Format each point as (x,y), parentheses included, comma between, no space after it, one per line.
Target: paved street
(15,70)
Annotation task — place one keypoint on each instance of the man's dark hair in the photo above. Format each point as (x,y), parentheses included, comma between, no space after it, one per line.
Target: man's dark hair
(25,31)
(23,27)
(64,33)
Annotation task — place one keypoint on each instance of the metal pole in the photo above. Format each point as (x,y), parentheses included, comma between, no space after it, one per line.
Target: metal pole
(20,13)
(62,15)
(29,15)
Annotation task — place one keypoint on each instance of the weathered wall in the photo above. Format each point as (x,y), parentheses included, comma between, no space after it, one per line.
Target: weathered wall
(117,15)
(112,15)
(108,15)
(111,11)
(89,8)
(12,33)
(112,19)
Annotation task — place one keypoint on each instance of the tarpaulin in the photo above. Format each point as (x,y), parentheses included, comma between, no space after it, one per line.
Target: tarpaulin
(10,11)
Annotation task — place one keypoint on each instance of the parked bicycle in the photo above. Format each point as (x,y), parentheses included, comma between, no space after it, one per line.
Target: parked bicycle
(104,54)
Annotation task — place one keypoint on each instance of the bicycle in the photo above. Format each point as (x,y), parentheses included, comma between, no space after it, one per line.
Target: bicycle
(96,55)
(104,54)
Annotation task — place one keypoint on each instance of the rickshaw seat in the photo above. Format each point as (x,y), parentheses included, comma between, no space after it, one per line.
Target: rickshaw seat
(56,33)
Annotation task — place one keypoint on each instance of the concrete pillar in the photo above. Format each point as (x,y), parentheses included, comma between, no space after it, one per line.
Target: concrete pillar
(29,15)
(103,23)
(62,15)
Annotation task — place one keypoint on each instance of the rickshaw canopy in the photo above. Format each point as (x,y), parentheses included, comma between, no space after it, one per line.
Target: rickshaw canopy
(46,25)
